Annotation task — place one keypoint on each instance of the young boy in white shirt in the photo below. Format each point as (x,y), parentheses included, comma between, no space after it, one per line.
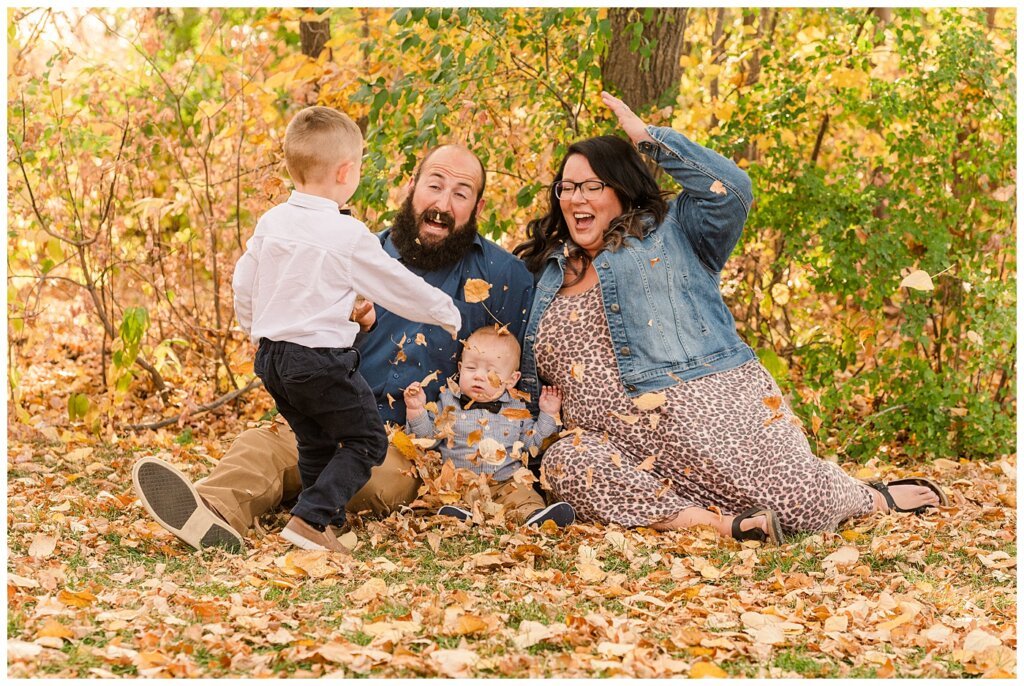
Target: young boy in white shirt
(295,287)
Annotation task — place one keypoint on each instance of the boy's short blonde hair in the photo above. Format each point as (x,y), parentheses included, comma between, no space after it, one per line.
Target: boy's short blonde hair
(317,140)
(495,336)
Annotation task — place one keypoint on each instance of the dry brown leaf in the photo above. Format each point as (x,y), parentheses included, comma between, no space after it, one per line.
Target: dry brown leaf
(516,413)
(54,629)
(476,290)
(773,402)
(454,662)
(468,624)
(42,546)
(576,371)
(843,557)
(76,598)
(718,188)
(648,463)
(649,401)
(616,459)
(474,437)
(628,418)
(421,339)
(371,589)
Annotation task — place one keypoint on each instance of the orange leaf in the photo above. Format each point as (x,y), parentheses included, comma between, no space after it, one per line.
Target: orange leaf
(519,395)
(469,624)
(404,444)
(54,629)
(76,598)
(702,670)
(648,464)
(474,437)
(493,379)
(476,290)
(516,413)
(773,402)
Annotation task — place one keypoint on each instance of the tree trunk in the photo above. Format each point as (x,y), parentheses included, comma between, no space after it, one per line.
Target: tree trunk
(643,81)
(314,34)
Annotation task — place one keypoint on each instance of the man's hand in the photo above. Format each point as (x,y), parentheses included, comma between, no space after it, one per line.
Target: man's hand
(550,400)
(363,314)
(630,123)
(415,400)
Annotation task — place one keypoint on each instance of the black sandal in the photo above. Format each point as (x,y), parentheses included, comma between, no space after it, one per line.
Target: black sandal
(774,535)
(914,481)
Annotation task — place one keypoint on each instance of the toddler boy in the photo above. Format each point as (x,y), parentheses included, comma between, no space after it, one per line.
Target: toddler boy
(295,287)
(485,428)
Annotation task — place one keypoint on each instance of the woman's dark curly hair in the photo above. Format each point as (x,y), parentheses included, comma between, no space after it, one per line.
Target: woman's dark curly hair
(619,165)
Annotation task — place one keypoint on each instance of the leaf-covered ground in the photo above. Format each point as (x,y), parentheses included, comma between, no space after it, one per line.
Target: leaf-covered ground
(95,588)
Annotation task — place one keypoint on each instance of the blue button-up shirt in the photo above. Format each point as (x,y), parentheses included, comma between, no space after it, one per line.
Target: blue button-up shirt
(397,352)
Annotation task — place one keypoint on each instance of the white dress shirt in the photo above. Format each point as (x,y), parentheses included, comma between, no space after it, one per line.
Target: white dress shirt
(298,278)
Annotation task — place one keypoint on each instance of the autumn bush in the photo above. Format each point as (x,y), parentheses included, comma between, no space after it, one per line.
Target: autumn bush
(143,144)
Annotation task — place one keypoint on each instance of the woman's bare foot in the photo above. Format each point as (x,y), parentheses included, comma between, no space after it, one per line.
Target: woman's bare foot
(907,497)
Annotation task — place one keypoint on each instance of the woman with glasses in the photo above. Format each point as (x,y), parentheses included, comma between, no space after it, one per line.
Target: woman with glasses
(670,412)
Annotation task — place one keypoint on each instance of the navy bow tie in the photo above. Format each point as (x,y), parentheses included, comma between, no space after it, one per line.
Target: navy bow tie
(491,406)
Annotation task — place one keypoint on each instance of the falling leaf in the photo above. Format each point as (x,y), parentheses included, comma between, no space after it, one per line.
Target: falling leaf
(590,477)
(654,420)
(648,463)
(429,378)
(404,444)
(474,437)
(421,339)
(628,418)
(718,188)
(616,459)
(493,379)
(519,395)
(576,371)
(476,290)
(773,402)
(649,401)
(516,413)
(918,280)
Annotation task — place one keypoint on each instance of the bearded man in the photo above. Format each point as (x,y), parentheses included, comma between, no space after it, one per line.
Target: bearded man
(434,235)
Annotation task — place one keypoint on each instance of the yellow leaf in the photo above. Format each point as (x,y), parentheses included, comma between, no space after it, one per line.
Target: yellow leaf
(476,290)
(649,401)
(469,624)
(76,598)
(404,444)
(702,670)
(54,629)
(918,280)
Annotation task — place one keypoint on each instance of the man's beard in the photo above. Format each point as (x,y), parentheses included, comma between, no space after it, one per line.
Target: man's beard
(431,256)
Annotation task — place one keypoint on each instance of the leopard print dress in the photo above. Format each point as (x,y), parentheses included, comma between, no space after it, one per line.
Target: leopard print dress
(716,441)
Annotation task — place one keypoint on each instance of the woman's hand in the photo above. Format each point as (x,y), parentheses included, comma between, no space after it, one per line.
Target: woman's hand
(415,400)
(630,123)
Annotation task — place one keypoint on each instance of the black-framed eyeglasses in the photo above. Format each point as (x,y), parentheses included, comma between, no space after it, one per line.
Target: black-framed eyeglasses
(590,189)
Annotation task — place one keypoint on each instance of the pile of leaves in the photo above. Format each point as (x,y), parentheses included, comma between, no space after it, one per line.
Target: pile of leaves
(96,588)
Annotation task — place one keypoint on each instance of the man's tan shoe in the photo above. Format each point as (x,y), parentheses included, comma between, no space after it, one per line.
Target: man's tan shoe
(171,499)
(299,533)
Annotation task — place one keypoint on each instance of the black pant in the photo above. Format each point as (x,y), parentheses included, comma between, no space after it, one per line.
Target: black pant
(333,413)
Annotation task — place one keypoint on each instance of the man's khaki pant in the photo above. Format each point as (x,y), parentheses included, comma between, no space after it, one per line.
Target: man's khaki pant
(261,470)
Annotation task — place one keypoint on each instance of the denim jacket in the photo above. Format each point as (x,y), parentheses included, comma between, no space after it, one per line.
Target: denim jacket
(661,293)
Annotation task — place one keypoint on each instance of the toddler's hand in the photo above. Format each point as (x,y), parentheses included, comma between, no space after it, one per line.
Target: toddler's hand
(550,400)
(415,400)
(363,314)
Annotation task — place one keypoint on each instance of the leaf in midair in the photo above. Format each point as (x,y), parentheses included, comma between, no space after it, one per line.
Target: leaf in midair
(476,290)
(649,401)
(918,280)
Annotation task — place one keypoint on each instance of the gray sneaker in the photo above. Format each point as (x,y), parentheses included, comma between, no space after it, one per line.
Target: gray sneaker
(561,513)
(172,500)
